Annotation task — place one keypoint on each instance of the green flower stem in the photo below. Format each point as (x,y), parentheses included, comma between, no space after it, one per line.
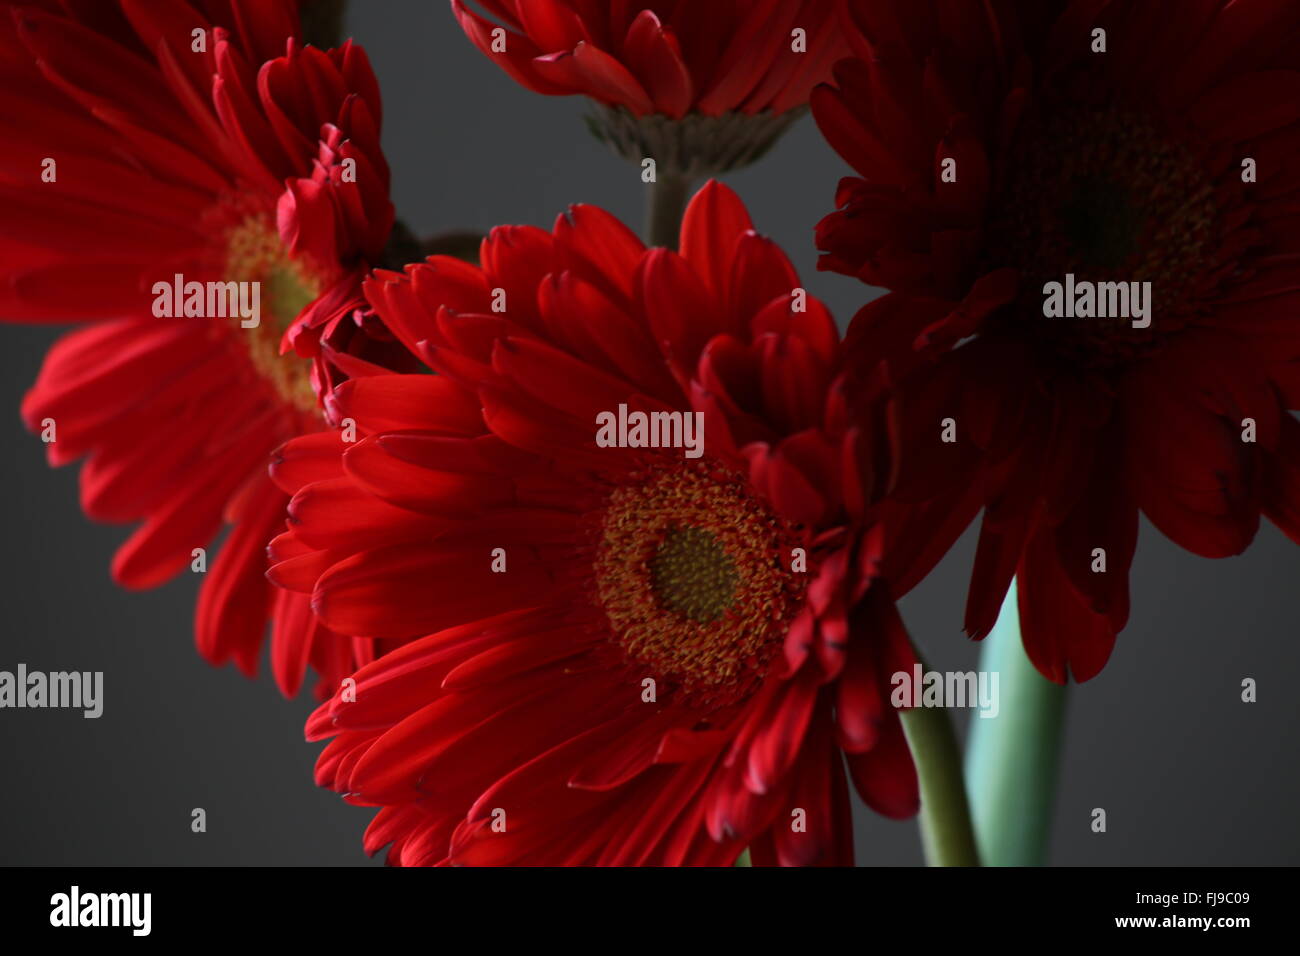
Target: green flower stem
(946,830)
(1012,759)
(743,859)
(665,207)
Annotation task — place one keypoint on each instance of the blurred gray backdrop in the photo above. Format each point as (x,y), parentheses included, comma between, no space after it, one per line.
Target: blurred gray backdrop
(1187,773)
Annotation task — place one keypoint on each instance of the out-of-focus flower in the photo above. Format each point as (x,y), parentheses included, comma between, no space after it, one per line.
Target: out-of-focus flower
(1146,155)
(150,141)
(702,87)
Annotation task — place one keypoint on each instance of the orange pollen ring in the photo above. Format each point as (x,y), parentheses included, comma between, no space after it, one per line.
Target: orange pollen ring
(691,573)
(254,253)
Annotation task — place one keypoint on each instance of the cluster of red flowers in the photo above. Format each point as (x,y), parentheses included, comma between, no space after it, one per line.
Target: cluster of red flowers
(534,647)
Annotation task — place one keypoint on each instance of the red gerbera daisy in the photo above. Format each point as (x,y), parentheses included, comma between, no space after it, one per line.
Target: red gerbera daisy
(1006,146)
(622,654)
(703,87)
(153,139)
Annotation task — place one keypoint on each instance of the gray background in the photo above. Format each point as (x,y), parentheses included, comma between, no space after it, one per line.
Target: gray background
(1187,773)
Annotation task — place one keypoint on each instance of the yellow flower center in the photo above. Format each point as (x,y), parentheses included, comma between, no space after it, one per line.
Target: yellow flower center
(254,253)
(692,573)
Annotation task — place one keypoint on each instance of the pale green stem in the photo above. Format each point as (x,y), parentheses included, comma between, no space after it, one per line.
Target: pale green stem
(1012,759)
(945,817)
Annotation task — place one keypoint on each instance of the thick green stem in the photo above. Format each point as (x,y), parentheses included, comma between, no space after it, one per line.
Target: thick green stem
(945,818)
(665,206)
(1012,758)
(743,859)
